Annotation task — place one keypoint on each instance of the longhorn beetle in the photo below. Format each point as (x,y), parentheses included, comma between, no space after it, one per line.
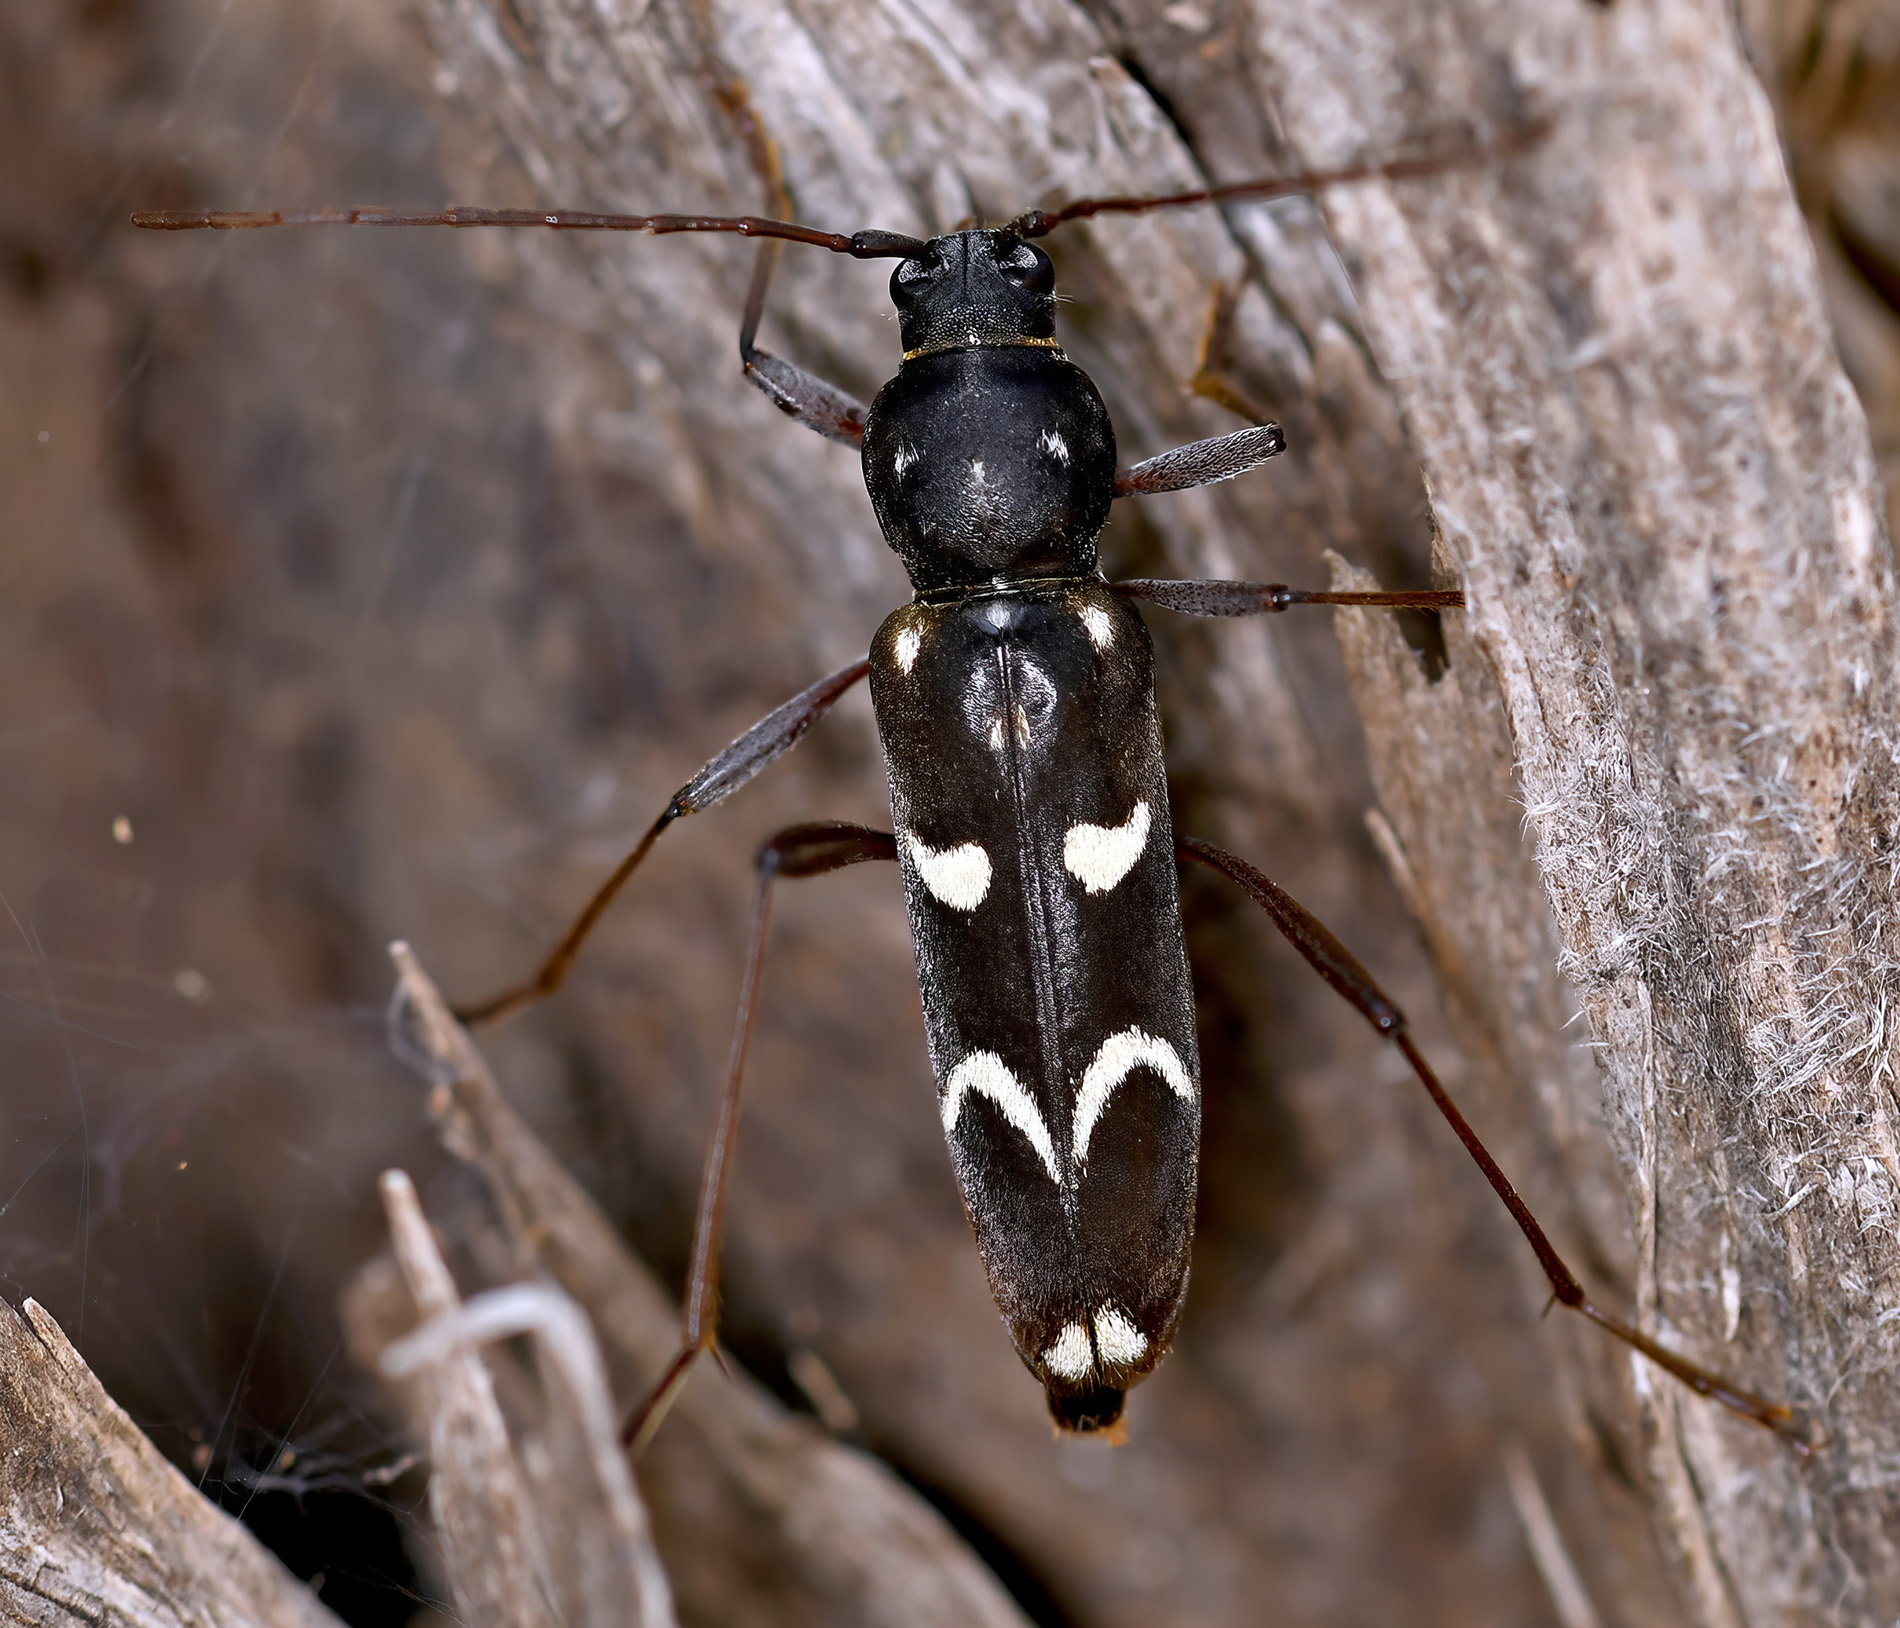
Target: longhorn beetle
(1014,698)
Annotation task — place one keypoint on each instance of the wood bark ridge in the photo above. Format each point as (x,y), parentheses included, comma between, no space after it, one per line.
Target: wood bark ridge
(96,1527)
(1658,490)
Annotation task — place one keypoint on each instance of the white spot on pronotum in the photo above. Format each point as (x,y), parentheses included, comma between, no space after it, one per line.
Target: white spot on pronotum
(903,458)
(958,877)
(1120,1055)
(1120,1342)
(1101,629)
(984,1073)
(905,648)
(1055,446)
(192,984)
(1070,1357)
(1099,856)
(122,831)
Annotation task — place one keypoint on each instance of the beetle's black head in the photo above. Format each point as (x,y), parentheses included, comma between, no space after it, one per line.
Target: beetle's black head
(989,456)
(974,288)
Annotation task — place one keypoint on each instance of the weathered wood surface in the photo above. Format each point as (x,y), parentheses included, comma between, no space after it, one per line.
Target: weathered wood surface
(390,585)
(493,1549)
(95,1526)
(1658,485)
(543,1524)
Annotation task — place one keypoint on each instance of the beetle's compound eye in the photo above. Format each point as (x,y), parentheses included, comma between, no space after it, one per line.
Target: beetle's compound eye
(1029,268)
(912,277)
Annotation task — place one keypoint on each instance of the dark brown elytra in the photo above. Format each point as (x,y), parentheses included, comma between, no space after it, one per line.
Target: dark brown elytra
(1014,697)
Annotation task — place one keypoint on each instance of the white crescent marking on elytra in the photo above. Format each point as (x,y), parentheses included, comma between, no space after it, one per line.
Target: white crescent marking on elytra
(905,648)
(1120,1055)
(1099,856)
(1070,1357)
(1120,1342)
(958,877)
(984,1073)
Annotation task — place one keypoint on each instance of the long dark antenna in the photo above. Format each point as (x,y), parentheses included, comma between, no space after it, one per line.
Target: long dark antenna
(1040,222)
(867,245)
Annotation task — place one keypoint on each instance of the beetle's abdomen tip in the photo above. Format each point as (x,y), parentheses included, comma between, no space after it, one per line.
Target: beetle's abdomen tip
(1088,1412)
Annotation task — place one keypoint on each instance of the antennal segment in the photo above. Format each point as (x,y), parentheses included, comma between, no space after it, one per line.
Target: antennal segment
(867,245)
(1040,222)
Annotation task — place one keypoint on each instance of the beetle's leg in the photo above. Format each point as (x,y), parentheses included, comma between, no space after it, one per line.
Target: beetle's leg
(799,850)
(1333,962)
(1211,380)
(772,736)
(807,398)
(1215,598)
(811,401)
(1202,463)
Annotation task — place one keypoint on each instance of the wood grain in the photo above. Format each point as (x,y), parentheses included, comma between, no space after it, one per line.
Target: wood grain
(1659,491)
(95,1526)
